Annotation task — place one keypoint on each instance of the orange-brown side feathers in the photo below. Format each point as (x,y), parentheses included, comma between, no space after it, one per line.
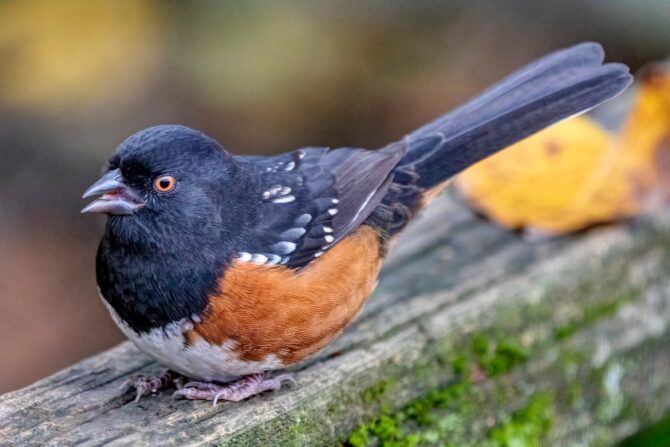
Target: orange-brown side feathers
(275,310)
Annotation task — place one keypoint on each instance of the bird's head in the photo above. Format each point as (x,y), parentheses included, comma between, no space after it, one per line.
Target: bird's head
(165,181)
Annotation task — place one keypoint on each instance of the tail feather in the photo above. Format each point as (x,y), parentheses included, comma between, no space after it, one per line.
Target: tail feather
(562,84)
(534,78)
(556,87)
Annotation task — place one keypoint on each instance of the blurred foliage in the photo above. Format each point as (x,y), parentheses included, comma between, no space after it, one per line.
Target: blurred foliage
(577,174)
(61,53)
(657,435)
(77,77)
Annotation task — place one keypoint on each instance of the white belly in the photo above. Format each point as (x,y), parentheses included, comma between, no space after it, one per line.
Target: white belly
(198,360)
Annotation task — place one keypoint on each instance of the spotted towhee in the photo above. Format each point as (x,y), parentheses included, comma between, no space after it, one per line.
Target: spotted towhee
(226,267)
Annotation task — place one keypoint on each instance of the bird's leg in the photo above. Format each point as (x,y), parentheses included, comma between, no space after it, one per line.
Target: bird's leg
(150,384)
(245,387)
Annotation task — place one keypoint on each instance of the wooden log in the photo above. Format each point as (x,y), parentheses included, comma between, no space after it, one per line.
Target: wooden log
(473,335)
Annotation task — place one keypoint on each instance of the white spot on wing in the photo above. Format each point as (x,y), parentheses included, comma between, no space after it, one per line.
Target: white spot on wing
(303,220)
(332,211)
(327,230)
(283,199)
(284,247)
(289,166)
(276,192)
(258,258)
(244,256)
(329,238)
(293,233)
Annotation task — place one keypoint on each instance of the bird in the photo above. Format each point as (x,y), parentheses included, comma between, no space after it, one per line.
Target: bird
(227,269)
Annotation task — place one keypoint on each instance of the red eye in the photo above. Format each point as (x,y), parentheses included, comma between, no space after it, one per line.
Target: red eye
(164,183)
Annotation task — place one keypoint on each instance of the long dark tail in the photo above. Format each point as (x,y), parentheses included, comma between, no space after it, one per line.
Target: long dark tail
(557,86)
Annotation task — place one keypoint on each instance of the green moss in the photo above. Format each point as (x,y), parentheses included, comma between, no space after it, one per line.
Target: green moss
(493,353)
(591,314)
(491,357)
(386,431)
(484,355)
(421,422)
(453,410)
(389,429)
(359,437)
(378,390)
(506,355)
(480,346)
(460,364)
(657,435)
(528,426)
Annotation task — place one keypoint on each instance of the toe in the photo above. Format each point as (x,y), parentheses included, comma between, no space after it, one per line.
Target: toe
(286,378)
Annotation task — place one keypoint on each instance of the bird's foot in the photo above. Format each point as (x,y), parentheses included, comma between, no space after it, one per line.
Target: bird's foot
(235,391)
(145,385)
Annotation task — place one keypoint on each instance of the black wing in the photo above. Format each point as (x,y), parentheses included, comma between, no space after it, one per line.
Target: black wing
(311,198)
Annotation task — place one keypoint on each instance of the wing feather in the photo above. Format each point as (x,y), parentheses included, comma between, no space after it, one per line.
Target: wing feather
(312,198)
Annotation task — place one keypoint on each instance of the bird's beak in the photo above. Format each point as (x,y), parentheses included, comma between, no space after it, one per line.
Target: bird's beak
(115,196)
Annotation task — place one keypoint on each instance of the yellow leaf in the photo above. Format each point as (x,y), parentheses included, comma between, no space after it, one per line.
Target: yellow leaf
(575,174)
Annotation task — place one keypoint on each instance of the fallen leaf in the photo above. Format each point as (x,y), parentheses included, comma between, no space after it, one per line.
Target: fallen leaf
(576,174)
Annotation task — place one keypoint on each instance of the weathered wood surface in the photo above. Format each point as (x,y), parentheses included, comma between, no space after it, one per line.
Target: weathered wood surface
(591,312)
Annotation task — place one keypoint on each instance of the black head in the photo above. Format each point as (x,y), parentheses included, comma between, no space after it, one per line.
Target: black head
(175,203)
(167,180)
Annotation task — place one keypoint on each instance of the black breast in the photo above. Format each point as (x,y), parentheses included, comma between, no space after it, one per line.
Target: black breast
(150,289)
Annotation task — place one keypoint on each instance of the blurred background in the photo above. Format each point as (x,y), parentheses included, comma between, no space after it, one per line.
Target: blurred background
(77,77)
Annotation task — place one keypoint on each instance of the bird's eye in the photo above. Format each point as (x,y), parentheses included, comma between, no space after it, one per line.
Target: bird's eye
(164,183)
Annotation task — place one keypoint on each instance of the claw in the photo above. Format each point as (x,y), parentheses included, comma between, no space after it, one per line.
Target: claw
(234,391)
(216,397)
(125,384)
(148,385)
(286,378)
